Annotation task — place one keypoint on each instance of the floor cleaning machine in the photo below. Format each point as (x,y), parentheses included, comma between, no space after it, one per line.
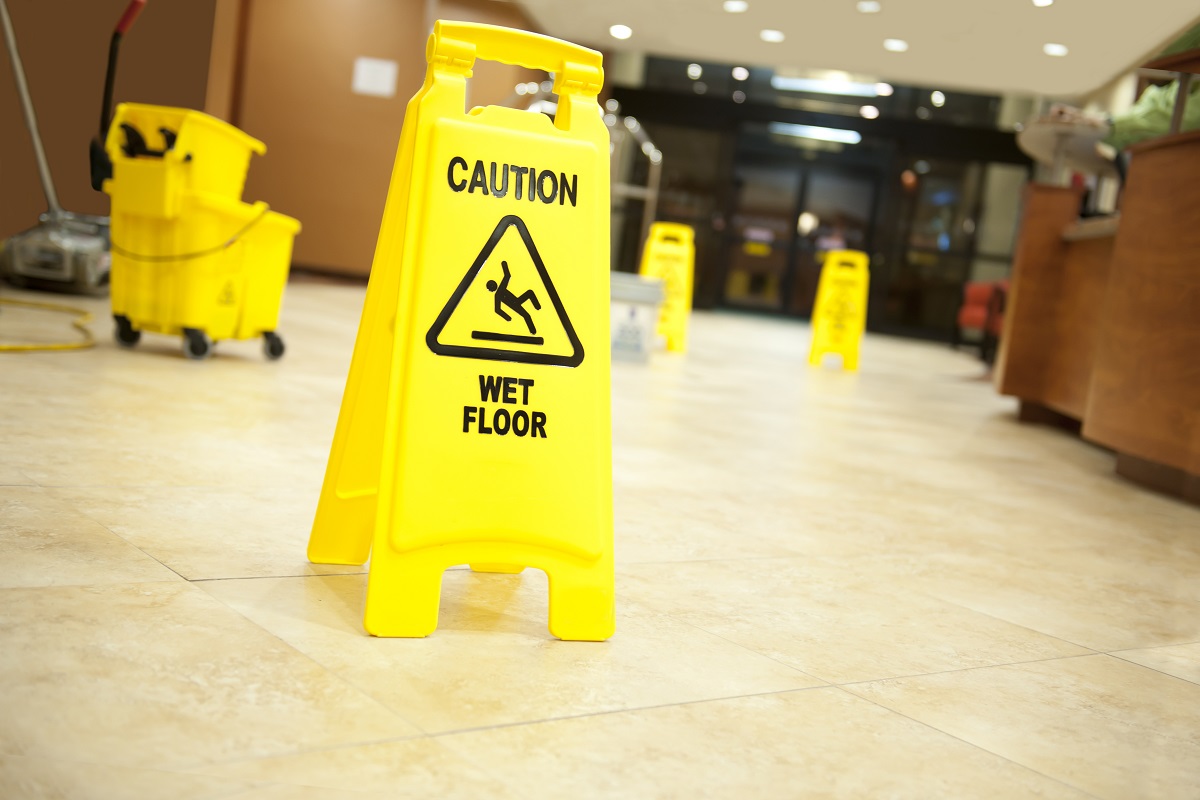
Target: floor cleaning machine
(64,251)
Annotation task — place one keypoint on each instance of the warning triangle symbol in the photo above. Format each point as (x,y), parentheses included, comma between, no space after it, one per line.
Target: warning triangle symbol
(506,307)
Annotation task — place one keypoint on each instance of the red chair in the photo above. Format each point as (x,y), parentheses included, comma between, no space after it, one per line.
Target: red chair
(982,311)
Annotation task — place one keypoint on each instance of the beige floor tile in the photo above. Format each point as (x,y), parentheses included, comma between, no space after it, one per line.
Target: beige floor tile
(1182,661)
(656,525)
(1103,600)
(774,523)
(291,791)
(1112,728)
(71,780)
(11,476)
(162,676)
(423,768)
(43,542)
(813,744)
(492,661)
(206,533)
(831,620)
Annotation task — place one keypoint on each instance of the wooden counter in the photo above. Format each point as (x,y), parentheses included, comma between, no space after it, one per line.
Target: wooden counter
(1053,318)
(1102,328)
(1144,399)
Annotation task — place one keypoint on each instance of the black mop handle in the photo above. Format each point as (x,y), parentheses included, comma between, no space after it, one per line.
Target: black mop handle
(123,25)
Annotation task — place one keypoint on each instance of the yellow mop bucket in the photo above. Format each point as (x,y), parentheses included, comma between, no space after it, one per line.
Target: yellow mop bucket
(476,424)
(188,257)
(159,154)
(670,255)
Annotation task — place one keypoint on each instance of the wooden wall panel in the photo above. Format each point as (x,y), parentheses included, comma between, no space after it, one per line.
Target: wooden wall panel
(64,44)
(329,151)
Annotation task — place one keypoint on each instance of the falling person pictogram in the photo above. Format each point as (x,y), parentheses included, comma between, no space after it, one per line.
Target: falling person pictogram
(505,297)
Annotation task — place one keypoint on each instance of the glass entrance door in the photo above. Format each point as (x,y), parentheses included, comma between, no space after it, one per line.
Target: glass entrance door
(761,234)
(837,213)
(786,216)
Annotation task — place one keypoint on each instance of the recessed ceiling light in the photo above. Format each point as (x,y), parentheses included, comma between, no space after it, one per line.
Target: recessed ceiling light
(883,89)
(740,73)
(700,86)
(770,35)
(694,71)
(895,45)
(1054,49)
(620,31)
(1043,3)
(938,99)
(735,6)
(869,112)
(739,96)
(868,7)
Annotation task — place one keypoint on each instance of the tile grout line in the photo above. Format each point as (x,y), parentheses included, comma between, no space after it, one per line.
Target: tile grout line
(1091,650)
(965,669)
(1148,647)
(274,577)
(612,711)
(155,559)
(828,682)
(971,744)
(1153,669)
(749,649)
(327,670)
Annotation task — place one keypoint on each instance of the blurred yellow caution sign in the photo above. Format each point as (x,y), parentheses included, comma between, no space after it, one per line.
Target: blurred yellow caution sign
(670,255)
(476,422)
(840,312)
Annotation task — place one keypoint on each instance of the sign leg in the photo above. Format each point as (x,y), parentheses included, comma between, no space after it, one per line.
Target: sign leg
(582,607)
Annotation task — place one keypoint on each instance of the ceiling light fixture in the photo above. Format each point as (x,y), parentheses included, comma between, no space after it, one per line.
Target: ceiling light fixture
(1054,49)
(735,6)
(883,89)
(772,36)
(694,71)
(895,45)
(825,86)
(869,112)
(739,96)
(868,7)
(740,73)
(1043,3)
(938,99)
(815,132)
(620,31)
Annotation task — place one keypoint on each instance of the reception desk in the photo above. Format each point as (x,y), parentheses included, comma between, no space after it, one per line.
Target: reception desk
(1102,328)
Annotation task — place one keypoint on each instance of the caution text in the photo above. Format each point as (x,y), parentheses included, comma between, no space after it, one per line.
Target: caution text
(529,183)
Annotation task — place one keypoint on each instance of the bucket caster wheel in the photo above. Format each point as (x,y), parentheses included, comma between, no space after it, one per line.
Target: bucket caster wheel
(196,344)
(272,346)
(126,335)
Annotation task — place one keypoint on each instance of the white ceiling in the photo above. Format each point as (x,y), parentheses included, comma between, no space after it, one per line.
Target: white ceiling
(980,45)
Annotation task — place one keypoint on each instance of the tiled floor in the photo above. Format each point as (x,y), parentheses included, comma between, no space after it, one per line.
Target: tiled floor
(829,585)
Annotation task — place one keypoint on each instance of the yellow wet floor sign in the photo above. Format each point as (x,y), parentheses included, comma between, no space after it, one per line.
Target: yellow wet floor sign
(670,255)
(840,312)
(476,422)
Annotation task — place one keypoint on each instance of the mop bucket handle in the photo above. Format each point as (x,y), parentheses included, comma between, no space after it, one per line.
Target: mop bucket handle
(131,14)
